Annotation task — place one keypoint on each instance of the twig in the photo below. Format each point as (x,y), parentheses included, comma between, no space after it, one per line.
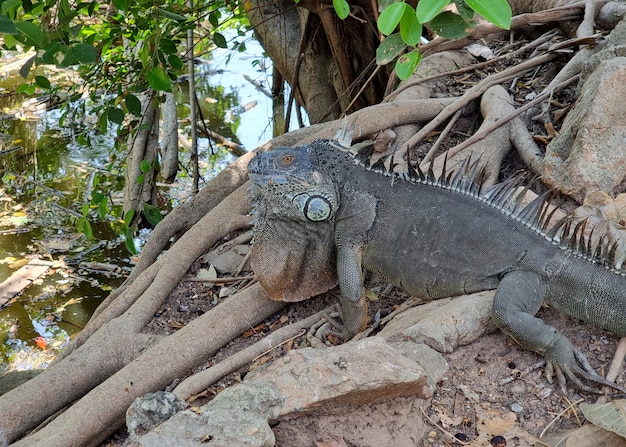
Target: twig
(471,94)
(505,119)
(444,133)
(362,89)
(258,86)
(558,416)
(616,366)
(535,43)
(523,373)
(221,280)
(443,429)
(200,381)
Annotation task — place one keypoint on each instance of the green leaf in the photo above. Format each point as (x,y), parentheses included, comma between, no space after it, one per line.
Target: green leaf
(389,49)
(102,209)
(10,41)
(42,81)
(342,8)
(167,46)
(87,230)
(159,80)
(128,218)
(219,40)
(103,123)
(85,209)
(152,213)
(7,26)
(25,69)
(175,61)
(410,28)
(145,166)
(31,34)
(97,198)
(141,178)
(130,243)
(84,53)
(122,5)
(115,115)
(450,25)
(407,63)
(390,17)
(497,12)
(464,11)
(133,104)
(172,15)
(428,9)
(214,19)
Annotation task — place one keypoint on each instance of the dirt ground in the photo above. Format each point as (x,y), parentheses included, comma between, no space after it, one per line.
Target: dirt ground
(492,384)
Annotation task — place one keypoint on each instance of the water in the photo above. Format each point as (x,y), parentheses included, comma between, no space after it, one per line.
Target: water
(44,184)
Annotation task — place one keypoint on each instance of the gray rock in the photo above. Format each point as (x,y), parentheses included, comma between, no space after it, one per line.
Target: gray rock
(238,416)
(227,262)
(150,410)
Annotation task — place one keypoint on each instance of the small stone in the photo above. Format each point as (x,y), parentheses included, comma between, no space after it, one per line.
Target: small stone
(516,408)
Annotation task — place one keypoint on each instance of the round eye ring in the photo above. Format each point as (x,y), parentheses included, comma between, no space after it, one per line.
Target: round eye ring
(287,159)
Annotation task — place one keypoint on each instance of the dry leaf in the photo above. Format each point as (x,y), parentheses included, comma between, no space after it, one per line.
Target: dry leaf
(593,436)
(208,276)
(610,416)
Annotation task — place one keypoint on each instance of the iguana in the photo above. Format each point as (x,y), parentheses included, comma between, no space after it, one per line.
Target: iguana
(323,216)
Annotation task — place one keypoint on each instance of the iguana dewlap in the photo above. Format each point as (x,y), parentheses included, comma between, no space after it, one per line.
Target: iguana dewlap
(322,218)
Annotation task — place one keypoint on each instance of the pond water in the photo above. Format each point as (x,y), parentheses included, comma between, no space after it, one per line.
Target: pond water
(46,175)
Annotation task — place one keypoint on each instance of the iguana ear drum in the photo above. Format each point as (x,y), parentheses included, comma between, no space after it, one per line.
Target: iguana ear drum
(313,207)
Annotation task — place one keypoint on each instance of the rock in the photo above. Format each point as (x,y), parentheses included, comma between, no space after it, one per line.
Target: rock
(227,262)
(358,372)
(589,154)
(238,416)
(304,381)
(431,361)
(444,324)
(150,410)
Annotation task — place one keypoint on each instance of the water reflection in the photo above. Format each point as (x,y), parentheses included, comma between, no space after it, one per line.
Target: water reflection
(45,182)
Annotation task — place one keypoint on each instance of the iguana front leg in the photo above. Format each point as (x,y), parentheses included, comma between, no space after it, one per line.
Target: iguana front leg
(353,300)
(518,298)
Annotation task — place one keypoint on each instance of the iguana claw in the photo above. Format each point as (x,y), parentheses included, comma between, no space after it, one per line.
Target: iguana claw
(568,362)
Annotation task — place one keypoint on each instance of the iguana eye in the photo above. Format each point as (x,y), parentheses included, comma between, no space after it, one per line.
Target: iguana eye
(286,160)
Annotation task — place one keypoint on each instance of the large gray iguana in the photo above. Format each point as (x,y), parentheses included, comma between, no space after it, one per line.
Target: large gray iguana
(322,217)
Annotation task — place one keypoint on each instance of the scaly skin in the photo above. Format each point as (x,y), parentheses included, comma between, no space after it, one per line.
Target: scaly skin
(336,218)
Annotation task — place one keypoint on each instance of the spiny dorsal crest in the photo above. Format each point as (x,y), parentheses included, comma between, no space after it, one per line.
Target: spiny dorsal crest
(508,197)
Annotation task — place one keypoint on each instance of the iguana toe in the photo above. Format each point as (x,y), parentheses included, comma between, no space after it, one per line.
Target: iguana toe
(569,363)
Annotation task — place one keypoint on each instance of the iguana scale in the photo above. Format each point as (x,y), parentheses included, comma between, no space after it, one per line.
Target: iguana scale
(322,217)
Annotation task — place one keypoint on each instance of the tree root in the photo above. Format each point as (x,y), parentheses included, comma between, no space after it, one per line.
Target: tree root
(114,382)
(470,95)
(202,380)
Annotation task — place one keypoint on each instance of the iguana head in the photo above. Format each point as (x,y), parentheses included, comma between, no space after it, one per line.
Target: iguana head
(291,184)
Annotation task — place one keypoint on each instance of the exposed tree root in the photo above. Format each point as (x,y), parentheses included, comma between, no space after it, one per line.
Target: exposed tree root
(202,380)
(114,388)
